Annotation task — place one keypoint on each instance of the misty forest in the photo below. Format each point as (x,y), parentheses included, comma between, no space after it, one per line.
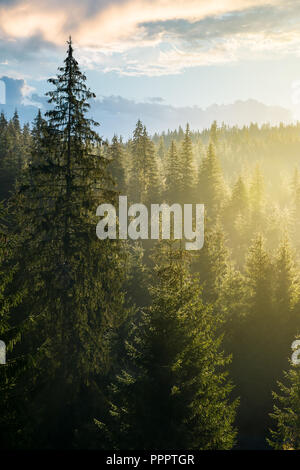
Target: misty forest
(141,344)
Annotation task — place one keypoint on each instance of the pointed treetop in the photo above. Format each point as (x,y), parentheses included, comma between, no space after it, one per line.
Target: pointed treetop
(69,42)
(71,99)
(3,121)
(16,121)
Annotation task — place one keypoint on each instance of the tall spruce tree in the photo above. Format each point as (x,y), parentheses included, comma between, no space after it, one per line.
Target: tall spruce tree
(173,174)
(38,137)
(212,262)
(257,199)
(256,351)
(186,191)
(4,183)
(286,288)
(211,187)
(144,180)
(213,134)
(116,156)
(239,202)
(232,304)
(17,150)
(171,391)
(14,149)
(236,219)
(295,196)
(8,371)
(286,305)
(74,301)
(161,151)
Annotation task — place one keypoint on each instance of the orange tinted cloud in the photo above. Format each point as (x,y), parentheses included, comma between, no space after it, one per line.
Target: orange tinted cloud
(112,22)
(24,20)
(118,34)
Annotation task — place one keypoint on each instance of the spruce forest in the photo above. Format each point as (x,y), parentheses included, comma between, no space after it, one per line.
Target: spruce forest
(140,344)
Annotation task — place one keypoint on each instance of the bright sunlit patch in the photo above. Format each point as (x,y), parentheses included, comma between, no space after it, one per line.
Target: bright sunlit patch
(24,21)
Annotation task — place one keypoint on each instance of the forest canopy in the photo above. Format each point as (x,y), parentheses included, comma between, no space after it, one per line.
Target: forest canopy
(141,344)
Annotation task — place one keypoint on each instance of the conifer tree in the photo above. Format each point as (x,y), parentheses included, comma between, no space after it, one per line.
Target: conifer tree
(236,220)
(9,370)
(295,188)
(211,188)
(26,143)
(38,135)
(232,303)
(171,391)
(256,350)
(285,278)
(286,435)
(186,166)
(180,133)
(213,133)
(257,198)
(295,196)
(116,156)
(212,262)
(173,174)
(258,272)
(286,309)
(161,151)
(239,199)
(17,154)
(144,182)
(3,155)
(74,301)
(13,152)
(3,122)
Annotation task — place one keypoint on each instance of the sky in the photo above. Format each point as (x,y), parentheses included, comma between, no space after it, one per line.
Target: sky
(171,52)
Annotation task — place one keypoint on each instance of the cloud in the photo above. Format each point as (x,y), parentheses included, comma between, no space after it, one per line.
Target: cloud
(34,46)
(118,114)
(150,37)
(125,112)
(155,99)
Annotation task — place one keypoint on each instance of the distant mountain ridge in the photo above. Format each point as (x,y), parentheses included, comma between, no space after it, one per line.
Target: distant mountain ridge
(119,115)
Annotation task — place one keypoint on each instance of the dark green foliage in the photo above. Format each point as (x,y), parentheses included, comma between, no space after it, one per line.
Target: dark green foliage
(8,372)
(213,133)
(185,192)
(256,334)
(116,155)
(73,303)
(14,148)
(155,380)
(211,262)
(173,181)
(144,183)
(286,435)
(211,188)
(171,391)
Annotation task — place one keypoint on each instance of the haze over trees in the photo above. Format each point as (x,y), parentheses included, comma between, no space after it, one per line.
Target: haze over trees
(118,344)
